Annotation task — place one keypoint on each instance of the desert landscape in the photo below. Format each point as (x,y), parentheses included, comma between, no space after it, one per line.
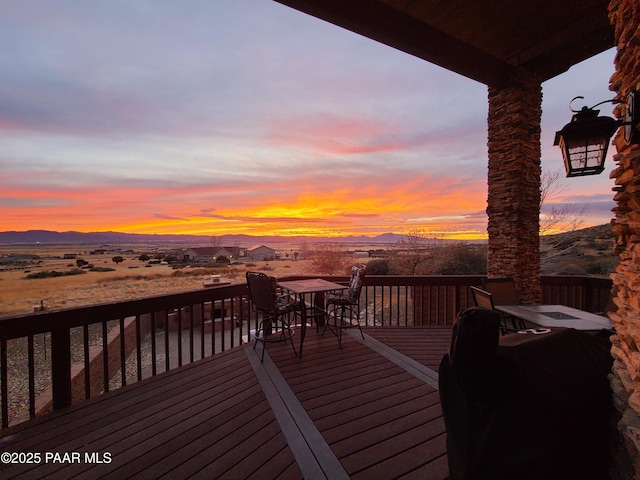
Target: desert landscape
(109,281)
(582,252)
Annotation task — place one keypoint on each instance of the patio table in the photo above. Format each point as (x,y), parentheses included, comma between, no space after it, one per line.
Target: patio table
(311,286)
(552,316)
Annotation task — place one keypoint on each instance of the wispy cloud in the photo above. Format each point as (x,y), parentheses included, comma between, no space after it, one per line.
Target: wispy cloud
(242,117)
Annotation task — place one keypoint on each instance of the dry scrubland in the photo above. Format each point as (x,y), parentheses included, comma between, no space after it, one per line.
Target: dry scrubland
(583,252)
(130,279)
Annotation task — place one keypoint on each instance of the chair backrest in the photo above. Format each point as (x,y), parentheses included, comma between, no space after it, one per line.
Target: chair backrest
(482,298)
(503,290)
(356,281)
(262,292)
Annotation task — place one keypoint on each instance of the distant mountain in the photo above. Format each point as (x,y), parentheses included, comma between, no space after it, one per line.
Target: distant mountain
(31,237)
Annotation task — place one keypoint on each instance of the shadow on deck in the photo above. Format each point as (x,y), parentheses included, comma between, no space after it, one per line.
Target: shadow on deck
(369,410)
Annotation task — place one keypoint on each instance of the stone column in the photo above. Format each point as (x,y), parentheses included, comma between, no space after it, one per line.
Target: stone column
(513,203)
(625,381)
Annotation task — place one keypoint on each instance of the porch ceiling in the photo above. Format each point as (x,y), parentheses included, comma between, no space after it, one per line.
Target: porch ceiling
(482,40)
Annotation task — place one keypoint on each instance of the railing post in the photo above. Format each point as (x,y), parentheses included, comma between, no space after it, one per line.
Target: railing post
(61,367)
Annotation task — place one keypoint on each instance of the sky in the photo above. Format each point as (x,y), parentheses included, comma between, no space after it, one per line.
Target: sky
(214,117)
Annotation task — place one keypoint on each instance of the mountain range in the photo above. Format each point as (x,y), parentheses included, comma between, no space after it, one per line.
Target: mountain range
(92,238)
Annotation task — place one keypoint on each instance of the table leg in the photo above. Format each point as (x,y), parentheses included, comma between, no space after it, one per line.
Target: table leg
(303,329)
(318,305)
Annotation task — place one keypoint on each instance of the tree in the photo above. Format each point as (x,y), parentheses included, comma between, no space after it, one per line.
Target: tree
(117,259)
(304,249)
(81,263)
(414,254)
(328,259)
(565,218)
(144,257)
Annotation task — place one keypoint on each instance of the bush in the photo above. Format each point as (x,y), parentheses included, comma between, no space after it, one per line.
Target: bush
(54,273)
(378,267)
(462,259)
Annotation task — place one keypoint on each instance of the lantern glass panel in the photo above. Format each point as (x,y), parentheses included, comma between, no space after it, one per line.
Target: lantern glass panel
(584,157)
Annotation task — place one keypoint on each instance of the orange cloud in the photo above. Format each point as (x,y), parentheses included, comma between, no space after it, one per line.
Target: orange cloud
(291,206)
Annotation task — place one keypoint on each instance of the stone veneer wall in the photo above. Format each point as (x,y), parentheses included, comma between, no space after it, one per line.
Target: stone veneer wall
(513,203)
(625,381)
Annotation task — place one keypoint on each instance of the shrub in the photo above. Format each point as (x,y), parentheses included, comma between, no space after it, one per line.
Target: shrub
(378,266)
(54,273)
(462,259)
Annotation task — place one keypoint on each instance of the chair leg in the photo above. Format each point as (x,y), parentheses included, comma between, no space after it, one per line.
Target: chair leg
(355,314)
(262,327)
(339,323)
(290,334)
(340,327)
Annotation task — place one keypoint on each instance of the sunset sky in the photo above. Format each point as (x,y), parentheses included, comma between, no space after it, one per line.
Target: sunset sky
(216,117)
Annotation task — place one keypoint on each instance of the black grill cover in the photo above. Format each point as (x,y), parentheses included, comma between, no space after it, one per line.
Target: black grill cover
(525,406)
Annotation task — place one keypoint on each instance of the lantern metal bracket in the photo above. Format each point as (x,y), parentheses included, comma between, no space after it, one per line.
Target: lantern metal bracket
(630,119)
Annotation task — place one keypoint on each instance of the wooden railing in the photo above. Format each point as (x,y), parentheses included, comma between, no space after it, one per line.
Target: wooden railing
(51,359)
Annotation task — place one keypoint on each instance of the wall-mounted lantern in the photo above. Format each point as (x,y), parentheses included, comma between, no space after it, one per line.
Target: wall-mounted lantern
(584,141)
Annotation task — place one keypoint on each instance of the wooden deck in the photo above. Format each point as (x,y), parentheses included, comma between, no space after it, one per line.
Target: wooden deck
(369,410)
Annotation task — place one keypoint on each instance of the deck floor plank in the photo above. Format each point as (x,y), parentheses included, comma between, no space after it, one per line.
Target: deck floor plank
(373,414)
(212,419)
(411,342)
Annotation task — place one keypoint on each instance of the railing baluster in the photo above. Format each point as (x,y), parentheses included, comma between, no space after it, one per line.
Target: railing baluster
(223,333)
(166,340)
(123,357)
(179,314)
(32,387)
(202,326)
(105,357)
(61,367)
(138,348)
(4,389)
(87,361)
(191,310)
(154,359)
(397,297)
(213,328)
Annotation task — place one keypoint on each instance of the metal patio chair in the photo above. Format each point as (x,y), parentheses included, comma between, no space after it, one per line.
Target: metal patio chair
(503,292)
(484,299)
(343,307)
(275,310)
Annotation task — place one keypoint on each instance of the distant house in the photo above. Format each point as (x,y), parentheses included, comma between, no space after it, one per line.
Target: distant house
(210,254)
(261,253)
